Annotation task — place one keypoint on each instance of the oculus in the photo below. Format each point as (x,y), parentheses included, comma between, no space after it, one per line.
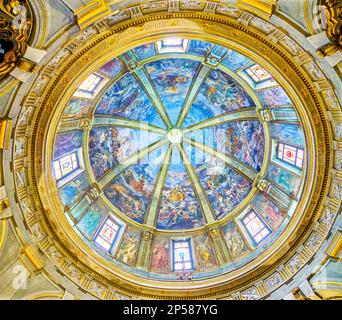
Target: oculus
(175,136)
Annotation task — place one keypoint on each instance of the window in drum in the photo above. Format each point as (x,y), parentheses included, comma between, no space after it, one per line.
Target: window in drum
(182,256)
(257,73)
(256,228)
(291,154)
(66,165)
(107,234)
(90,84)
(172,45)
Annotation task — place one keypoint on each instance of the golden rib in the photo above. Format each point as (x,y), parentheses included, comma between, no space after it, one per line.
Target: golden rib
(195,86)
(127,123)
(198,188)
(241,114)
(132,159)
(144,80)
(235,164)
(150,219)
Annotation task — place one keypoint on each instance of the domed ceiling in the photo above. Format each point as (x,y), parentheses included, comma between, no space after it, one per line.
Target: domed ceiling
(189,140)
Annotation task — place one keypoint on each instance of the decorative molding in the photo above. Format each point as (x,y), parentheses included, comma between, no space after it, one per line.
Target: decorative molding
(92,12)
(5,132)
(334,250)
(262,8)
(15,29)
(333,12)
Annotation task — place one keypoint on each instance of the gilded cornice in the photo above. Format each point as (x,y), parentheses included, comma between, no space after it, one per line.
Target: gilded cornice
(333,12)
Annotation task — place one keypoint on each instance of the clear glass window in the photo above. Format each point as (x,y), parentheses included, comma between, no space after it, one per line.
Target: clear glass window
(90,84)
(172,45)
(173,42)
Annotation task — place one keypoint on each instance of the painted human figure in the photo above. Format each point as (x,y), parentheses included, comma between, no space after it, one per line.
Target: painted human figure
(235,243)
(272,214)
(128,250)
(161,256)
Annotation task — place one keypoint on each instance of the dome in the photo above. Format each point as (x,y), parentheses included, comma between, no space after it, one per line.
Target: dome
(179,140)
(170,150)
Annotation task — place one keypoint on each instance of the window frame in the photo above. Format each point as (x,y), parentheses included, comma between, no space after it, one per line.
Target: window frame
(284,144)
(117,234)
(97,78)
(257,215)
(75,152)
(192,261)
(172,48)
(257,82)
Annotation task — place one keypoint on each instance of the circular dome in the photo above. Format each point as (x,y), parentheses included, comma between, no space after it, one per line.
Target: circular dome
(184,147)
(176,100)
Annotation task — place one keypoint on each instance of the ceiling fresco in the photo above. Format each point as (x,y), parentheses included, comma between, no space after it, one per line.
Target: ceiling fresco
(127,98)
(184,135)
(218,95)
(172,79)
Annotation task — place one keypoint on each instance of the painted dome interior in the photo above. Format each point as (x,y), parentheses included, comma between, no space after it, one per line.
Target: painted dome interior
(186,139)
